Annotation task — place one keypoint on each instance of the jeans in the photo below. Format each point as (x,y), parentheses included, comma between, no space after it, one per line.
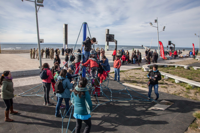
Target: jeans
(79,125)
(133,61)
(86,55)
(117,74)
(8,103)
(155,90)
(59,103)
(46,87)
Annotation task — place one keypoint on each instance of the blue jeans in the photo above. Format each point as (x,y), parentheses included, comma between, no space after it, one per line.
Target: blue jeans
(87,55)
(59,103)
(133,61)
(155,90)
(117,74)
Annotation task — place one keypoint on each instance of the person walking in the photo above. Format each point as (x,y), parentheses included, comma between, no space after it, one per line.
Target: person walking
(7,94)
(154,76)
(46,83)
(117,65)
(30,53)
(64,95)
(81,100)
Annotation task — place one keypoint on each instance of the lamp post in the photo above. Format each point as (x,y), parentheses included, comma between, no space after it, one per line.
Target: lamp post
(156,21)
(37,26)
(199,40)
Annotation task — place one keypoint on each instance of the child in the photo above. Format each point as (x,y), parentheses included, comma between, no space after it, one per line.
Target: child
(55,71)
(123,59)
(70,74)
(93,65)
(77,61)
(97,87)
(117,65)
(81,100)
(66,94)
(106,69)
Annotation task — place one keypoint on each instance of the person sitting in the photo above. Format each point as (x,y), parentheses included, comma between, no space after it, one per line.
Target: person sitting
(66,94)
(81,100)
(93,65)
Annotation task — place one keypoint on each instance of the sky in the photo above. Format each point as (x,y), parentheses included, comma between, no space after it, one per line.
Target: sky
(127,19)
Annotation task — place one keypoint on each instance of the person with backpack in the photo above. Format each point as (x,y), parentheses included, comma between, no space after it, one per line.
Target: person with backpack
(81,100)
(62,89)
(46,77)
(87,47)
(55,72)
(154,76)
(7,94)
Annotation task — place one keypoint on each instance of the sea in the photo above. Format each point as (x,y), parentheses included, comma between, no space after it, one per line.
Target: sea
(28,46)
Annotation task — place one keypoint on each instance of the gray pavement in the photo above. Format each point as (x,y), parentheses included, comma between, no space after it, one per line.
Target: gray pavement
(117,117)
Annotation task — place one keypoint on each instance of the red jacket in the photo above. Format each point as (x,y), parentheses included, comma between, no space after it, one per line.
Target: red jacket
(123,57)
(117,63)
(170,53)
(92,63)
(50,76)
(175,52)
(114,53)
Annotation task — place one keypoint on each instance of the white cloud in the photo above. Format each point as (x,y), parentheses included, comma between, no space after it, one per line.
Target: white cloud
(127,19)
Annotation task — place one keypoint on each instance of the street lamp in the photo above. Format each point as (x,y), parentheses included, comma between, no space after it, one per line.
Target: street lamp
(156,21)
(37,26)
(199,39)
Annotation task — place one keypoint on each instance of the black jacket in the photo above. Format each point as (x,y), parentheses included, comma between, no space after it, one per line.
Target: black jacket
(70,76)
(56,60)
(87,44)
(72,58)
(66,58)
(154,75)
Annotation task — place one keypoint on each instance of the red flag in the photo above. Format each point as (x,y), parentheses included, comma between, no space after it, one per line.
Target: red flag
(193,49)
(162,53)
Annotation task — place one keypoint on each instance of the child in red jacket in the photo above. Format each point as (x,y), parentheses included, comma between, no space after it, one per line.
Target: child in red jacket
(123,59)
(117,65)
(93,65)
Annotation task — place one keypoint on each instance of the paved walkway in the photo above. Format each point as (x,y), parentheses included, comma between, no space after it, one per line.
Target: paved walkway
(115,117)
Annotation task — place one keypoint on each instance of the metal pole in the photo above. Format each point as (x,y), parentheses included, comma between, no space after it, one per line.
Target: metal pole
(38,34)
(158,38)
(84,37)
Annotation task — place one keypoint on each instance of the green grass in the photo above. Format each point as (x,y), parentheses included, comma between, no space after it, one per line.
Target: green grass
(144,86)
(194,125)
(163,86)
(171,80)
(189,87)
(196,114)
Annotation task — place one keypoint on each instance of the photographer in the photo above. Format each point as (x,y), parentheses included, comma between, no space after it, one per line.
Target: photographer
(87,47)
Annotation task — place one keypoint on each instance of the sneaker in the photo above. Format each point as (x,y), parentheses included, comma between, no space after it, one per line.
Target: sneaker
(44,103)
(50,104)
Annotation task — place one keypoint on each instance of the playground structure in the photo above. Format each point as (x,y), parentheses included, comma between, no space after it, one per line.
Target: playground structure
(107,93)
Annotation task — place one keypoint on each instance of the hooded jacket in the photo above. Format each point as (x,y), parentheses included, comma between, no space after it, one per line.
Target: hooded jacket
(105,65)
(154,75)
(92,62)
(7,89)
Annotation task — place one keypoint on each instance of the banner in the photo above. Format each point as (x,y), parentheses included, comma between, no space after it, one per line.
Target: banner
(193,49)
(162,52)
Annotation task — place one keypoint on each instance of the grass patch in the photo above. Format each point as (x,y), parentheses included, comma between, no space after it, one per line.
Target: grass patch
(163,86)
(197,114)
(189,87)
(171,80)
(194,125)
(144,86)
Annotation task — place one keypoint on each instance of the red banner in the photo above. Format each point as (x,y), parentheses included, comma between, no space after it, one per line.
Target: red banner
(193,49)
(162,52)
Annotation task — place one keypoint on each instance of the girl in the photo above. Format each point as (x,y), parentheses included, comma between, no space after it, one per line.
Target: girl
(106,69)
(57,59)
(66,94)
(7,94)
(47,83)
(81,100)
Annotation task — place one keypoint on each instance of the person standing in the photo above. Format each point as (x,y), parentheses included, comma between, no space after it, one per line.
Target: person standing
(63,50)
(46,83)
(175,54)
(46,52)
(37,57)
(139,58)
(114,54)
(57,59)
(31,53)
(7,94)
(82,105)
(77,60)
(64,95)
(117,65)
(154,76)
(42,53)
(58,51)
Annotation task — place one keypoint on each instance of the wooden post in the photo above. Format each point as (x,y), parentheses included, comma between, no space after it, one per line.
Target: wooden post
(65,40)
(107,43)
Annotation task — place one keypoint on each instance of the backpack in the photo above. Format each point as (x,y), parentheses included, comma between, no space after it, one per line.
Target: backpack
(59,87)
(43,74)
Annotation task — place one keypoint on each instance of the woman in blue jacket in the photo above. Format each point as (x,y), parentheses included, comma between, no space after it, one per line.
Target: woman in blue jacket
(66,94)
(82,105)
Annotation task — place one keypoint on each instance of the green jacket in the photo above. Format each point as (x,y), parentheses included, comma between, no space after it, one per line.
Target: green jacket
(7,89)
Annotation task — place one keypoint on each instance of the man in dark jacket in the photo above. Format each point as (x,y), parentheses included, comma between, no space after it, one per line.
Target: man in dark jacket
(87,47)
(154,76)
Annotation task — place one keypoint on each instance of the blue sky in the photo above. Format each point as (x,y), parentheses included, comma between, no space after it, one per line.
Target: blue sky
(127,19)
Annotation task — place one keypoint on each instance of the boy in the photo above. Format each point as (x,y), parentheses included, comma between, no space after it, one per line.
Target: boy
(93,65)
(117,65)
